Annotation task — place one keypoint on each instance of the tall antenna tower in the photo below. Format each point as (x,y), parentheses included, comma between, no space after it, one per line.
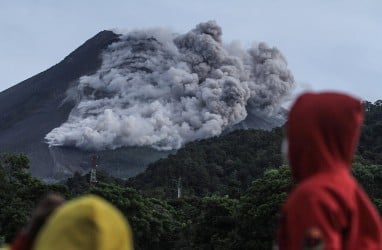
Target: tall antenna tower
(93,170)
(179,187)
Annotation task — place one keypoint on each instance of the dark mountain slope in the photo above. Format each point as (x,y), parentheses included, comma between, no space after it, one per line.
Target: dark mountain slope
(31,109)
(30,95)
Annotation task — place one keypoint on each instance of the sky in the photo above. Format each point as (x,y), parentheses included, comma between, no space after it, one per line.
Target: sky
(329,44)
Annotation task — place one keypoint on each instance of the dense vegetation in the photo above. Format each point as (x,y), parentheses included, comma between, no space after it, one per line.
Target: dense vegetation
(232,189)
(19,192)
(370,144)
(221,165)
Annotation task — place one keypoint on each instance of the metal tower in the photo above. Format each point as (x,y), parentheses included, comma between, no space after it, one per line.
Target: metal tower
(93,170)
(179,187)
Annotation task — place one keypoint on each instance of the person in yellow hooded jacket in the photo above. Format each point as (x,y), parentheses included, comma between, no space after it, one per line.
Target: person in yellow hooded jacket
(86,223)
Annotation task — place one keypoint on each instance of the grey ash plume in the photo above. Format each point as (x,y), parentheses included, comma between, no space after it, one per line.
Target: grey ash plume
(160,89)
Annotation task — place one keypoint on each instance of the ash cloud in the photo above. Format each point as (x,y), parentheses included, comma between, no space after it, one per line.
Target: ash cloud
(160,89)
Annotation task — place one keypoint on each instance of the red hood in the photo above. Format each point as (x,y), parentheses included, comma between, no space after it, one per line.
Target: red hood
(322,130)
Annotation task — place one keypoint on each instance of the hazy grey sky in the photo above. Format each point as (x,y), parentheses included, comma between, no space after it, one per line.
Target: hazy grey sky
(329,44)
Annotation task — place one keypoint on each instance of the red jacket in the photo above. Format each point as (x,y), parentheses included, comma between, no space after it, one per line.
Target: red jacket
(327,208)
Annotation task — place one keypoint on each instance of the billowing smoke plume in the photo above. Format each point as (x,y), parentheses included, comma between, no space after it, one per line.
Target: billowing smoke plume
(159,89)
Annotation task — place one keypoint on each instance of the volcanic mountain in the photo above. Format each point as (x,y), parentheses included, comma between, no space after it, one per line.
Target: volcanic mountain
(134,98)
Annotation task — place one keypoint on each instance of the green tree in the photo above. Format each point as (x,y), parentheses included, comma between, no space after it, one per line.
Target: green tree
(154,222)
(259,208)
(370,177)
(19,193)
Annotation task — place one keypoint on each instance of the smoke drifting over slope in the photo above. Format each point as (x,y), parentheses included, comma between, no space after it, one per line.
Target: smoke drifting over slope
(160,89)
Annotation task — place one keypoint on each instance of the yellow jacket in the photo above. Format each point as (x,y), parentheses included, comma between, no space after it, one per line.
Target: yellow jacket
(86,223)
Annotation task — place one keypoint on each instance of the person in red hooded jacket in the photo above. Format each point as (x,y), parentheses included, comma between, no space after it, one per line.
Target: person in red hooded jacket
(327,209)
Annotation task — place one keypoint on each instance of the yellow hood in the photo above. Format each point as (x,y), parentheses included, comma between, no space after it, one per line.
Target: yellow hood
(86,223)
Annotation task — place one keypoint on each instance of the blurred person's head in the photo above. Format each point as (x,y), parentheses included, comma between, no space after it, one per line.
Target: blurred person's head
(41,213)
(322,133)
(87,222)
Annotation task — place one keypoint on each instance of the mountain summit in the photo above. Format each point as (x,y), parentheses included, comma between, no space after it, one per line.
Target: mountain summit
(131,98)
(32,108)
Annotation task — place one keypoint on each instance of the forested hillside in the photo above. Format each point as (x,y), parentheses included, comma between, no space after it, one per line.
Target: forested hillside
(370,145)
(223,165)
(232,189)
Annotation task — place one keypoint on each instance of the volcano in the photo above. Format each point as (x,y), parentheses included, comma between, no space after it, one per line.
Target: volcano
(134,98)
